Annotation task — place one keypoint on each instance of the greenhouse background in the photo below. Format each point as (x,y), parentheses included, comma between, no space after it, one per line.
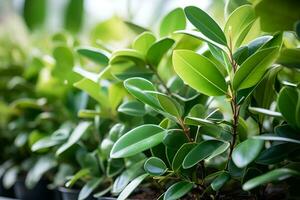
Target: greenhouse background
(149,99)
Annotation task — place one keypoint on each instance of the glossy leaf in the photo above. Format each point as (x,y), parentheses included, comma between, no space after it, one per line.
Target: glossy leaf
(96,55)
(263,111)
(288,103)
(274,175)
(128,175)
(133,108)
(178,190)
(138,87)
(220,181)
(234,26)
(89,187)
(205,24)
(253,69)
(131,186)
(175,139)
(202,151)
(75,136)
(138,140)
(173,21)
(246,152)
(158,50)
(273,137)
(199,72)
(289,57)
(143,42)
(181,154)
(155,166)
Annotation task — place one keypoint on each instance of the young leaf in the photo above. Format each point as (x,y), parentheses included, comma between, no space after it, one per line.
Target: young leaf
(274,175)
(155,166)
(131,186)
(96,55)
(143,42)
(158,50)
(199,72)
(202,151)
(253,69)
(132,108)
(205,24)
(137,87)
(247,151)
(178,190)
(138,140)
(237,22)
(173,21)
(288,103)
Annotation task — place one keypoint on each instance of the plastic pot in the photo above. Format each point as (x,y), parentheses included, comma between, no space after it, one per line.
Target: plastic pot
(40,191)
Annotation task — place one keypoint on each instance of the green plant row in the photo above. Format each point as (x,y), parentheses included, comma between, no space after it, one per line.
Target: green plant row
(193,114)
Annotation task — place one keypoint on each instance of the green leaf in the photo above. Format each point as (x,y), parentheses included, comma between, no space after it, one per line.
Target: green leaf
(246,152)
(143,42)
(274,175)
(203,150)
(132,108)
(138,140)
(181,154)
(205,24)
(137,87)
(43,165)
(220,181)
(175,139)
(128,175)
(10,177)
(155,166)
(89,187)
(75,136)
(199,73)
(74,14)
(275,153)
(263,111)
(198,121)
(288,103)
(253,69)
(178,190)
(239,20)
(173,21)
(81,173)
(158,50)
(44,143)
(96,55)
(34,12)
(273,137)
(131,186)
(93,89)
(168,104)
(289,57)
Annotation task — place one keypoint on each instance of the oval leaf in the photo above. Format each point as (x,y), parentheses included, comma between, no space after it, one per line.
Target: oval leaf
(205,24)
(178,190)
(247,151)
(155,166)
(274,175)
(203,150)
(199,73)
(137,140)
(173,21)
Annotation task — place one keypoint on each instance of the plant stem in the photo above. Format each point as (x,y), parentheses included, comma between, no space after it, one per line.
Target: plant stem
(185,129)
(160,80)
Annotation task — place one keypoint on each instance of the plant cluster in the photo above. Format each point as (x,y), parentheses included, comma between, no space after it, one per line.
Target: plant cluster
(208,113)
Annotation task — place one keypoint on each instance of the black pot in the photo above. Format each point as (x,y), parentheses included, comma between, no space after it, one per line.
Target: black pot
(71,194)
(40,191)
(6,192)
